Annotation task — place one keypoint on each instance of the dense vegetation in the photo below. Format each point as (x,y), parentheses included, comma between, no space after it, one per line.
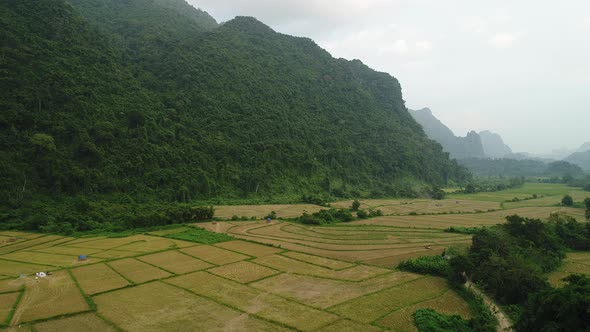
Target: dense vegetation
(562,309)
(141,101)
(518,168)
(433,265)
(492,184)
(511,260)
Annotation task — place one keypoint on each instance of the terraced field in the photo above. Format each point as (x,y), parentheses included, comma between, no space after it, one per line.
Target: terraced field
(152,283)
(382,241)
(370,244)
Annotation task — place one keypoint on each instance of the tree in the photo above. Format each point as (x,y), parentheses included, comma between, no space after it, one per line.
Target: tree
(587,203)
(470,188)
(43,142)
(438,193)
(567,200)
(559,309)
(355,205)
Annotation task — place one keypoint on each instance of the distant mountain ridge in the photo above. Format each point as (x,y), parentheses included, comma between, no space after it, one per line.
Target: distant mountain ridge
(469,146)
(581,159)
(493,145)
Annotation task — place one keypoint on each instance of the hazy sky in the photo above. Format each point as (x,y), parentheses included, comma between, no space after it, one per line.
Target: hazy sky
(518,68)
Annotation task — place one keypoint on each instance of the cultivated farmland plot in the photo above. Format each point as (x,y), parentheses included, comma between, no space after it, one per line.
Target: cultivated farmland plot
(277,276)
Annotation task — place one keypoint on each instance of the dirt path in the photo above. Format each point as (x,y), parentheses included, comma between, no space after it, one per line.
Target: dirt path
(504,323)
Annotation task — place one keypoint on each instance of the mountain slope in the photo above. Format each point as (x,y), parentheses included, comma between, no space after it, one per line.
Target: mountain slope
(581,159)
(493,145)
(134,98)
(458,147)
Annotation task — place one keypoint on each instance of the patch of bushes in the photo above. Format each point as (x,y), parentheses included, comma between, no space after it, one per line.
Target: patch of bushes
(463,230)
(428,320)
(271,215)
(201,236)
(314,200)
(325,217)
(433,265)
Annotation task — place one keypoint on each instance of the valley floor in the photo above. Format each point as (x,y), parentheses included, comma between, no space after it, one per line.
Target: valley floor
(274,276)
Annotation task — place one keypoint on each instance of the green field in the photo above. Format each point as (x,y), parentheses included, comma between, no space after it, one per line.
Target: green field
(527,190)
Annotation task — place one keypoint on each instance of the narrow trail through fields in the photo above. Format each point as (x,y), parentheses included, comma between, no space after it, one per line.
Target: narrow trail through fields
(504,323)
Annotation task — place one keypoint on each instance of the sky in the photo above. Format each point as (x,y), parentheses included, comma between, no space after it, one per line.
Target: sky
(518,68)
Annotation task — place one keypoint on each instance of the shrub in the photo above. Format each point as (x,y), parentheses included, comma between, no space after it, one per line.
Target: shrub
(428,320)
(362,214)
(567,200)
(434,265)
(355,205)
(375,213)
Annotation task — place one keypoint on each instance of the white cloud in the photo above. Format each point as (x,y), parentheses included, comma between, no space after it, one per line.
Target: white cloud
(423,46)
(503,40)
(400,46)
(475,24)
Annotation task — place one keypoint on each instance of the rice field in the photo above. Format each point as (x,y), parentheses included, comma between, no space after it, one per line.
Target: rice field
(233,286)
(277,276)
(574,263)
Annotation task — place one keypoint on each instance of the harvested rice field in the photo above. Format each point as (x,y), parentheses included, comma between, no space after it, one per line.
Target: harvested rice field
(574,263)
(273,276)
(237,285)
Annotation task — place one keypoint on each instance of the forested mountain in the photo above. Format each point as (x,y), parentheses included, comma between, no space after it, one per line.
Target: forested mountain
(493,145)
(151,99)
(506,167)
(458,147)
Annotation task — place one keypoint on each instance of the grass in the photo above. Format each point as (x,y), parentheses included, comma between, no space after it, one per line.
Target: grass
(243,272)
(248,248)
(575,262)
(527,190)
(200,235)
(214,255)
(447,303)
(175,261)
(98,278)
(88,322)
(140,308)
(254,301)
(137,271)
(49,297)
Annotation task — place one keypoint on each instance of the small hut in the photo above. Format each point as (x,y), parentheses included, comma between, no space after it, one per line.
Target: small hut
(82,258)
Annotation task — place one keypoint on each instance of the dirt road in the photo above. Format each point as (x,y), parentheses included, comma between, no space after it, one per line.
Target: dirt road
(504,323)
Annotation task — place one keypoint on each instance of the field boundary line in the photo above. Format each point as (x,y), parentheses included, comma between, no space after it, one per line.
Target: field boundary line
(119,273)
(273,294)
(375,292)
(148,263)
(375,322)
(91,305)
(2,258)
(12,311)
(56,317)
(330,278)
(318,265)
(233,307)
